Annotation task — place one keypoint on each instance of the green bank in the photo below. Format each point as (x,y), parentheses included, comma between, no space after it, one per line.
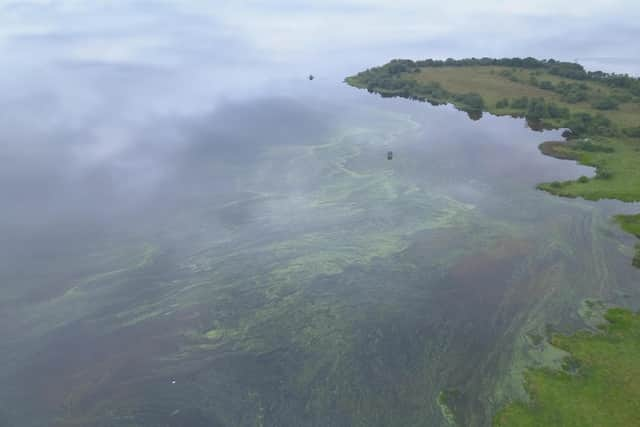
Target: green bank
(631,224)
(600,110)
(597,385)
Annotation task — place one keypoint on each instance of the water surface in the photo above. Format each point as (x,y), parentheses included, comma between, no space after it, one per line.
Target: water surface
(202,236)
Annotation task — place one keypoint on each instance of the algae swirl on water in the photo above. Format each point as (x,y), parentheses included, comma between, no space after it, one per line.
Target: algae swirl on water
(600,112)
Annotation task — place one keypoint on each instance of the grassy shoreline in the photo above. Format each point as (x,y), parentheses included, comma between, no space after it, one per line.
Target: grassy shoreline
(595,386)
(631,224)
(601,113)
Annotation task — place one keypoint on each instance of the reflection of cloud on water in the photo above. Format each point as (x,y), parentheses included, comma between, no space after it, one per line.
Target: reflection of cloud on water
(191,124)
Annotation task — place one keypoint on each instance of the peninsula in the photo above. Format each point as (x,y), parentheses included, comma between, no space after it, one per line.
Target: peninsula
(600,112)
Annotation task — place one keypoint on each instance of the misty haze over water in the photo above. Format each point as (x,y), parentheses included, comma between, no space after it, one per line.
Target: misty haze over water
(178,197)
(99,98)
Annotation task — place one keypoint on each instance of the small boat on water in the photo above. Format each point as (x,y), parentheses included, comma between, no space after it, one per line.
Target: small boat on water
(389,155)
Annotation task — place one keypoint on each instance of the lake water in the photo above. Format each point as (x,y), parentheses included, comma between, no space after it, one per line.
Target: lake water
(284,272)
(225,243)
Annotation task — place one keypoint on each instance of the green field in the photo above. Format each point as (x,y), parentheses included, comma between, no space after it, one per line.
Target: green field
(488,82)
(597,385)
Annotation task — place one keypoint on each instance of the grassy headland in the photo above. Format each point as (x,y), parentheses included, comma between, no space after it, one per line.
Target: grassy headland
(601,111)
(597,385)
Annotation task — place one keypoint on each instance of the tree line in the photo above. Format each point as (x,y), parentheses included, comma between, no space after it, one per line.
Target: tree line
(568,70)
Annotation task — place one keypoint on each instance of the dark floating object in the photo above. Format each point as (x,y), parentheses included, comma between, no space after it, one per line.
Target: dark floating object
(311,77)
(389,155)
